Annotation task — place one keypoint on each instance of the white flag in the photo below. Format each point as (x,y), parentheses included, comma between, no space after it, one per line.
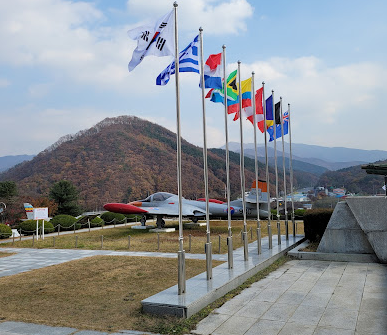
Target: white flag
(188,62)
(157,40)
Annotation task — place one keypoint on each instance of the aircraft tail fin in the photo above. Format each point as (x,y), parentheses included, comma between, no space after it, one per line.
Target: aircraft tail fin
(262,192)
(29,210)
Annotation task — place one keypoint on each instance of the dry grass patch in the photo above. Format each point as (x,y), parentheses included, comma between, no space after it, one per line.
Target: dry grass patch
(142,240)
(5,254)
(312,247)
(101,293)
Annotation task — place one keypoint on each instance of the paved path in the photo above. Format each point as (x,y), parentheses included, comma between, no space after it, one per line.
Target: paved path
(301,297)
(307,297)
(27,259)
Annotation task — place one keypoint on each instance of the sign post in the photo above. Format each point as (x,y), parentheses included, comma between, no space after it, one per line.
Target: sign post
(40,214)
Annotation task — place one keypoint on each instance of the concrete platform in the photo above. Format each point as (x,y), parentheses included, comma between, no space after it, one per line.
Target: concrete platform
(200,292)
(142,227)
(331,256)
(162,230)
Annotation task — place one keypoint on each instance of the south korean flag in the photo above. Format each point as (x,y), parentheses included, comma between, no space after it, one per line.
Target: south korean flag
(157,40)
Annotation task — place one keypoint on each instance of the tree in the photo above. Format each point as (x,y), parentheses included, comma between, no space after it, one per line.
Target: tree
(65,194)
(8,189)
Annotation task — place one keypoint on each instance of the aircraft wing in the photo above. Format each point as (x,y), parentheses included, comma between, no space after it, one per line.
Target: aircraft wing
(167,209)
(173,210)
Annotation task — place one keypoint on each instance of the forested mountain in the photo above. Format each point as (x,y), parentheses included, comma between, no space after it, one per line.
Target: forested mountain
(126,158)
(354,179)
(334,158)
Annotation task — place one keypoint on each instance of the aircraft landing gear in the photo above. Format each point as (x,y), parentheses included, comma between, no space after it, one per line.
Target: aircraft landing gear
(195,219)
(160,222)
(143,220)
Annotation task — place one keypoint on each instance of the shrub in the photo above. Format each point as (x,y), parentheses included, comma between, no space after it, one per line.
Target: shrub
(95,222)
(109,216)
(28,227)
(315,223)
(66,222)
(5,231)
(299,212)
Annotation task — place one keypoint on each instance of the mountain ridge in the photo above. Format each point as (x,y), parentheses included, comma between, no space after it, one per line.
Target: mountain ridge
(126,158)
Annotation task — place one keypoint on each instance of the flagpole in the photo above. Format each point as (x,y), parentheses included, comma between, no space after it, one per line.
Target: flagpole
(242,167)
(208,245)
(259,245)
(284,169)
(291,173)
(181,253)
(267,172)
(229,237)
(276,168)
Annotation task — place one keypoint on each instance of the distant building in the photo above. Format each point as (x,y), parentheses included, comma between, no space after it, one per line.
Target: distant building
(339,192)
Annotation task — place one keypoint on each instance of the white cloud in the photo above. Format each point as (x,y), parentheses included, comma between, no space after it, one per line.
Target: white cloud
(216,17)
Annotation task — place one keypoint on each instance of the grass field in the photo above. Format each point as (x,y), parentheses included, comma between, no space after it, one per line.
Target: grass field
(143,240)
(103,293)
(5,254)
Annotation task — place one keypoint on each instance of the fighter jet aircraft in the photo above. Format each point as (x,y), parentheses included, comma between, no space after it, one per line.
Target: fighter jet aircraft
(162,204)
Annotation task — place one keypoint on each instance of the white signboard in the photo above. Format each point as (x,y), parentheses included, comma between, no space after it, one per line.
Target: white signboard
(41,213)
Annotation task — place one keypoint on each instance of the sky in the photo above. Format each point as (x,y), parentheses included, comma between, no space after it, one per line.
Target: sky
(63,68)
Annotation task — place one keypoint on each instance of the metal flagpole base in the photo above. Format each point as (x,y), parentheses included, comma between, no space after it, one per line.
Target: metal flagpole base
(286,227)
(181,272)
(230,252)
(270,237)
(245,246)
(208,249)
(279,232)
(259,242)
(294,227)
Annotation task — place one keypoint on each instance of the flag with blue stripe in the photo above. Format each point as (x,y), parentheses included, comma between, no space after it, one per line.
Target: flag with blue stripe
(188,62)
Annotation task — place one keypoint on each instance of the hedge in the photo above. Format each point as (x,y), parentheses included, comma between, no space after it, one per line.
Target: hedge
(66,222)
(109,216)
(5,231)
(315,223)
(28,227)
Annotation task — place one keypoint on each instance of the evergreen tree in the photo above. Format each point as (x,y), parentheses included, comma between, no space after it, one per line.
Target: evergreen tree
(65,194)
(8,189)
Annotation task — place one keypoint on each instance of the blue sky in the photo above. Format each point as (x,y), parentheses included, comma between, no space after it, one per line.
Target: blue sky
(63,67)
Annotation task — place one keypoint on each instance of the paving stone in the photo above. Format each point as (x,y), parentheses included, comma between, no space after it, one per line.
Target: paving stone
(292,297)
(90,332)
(210,323)
(292,328)
(235,325)
(34,329)
(232,306)
(332,331)
(279,312)
(339,318)
(307,315)
(317,299)
(372,323)
(265,327)
(254,309)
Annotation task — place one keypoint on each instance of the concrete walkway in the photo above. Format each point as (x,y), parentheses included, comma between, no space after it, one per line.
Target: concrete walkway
(301,297)
(26,259)
(307,297)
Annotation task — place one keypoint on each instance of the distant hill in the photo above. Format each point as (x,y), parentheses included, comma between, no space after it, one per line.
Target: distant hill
(331,158)
(297,164)
(354,179)
(7,162)
(126,158)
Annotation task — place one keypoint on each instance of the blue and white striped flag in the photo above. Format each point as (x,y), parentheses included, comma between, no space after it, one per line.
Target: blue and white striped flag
(188,62)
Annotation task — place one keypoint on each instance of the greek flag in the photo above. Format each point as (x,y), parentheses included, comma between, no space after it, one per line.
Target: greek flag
(188,62)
